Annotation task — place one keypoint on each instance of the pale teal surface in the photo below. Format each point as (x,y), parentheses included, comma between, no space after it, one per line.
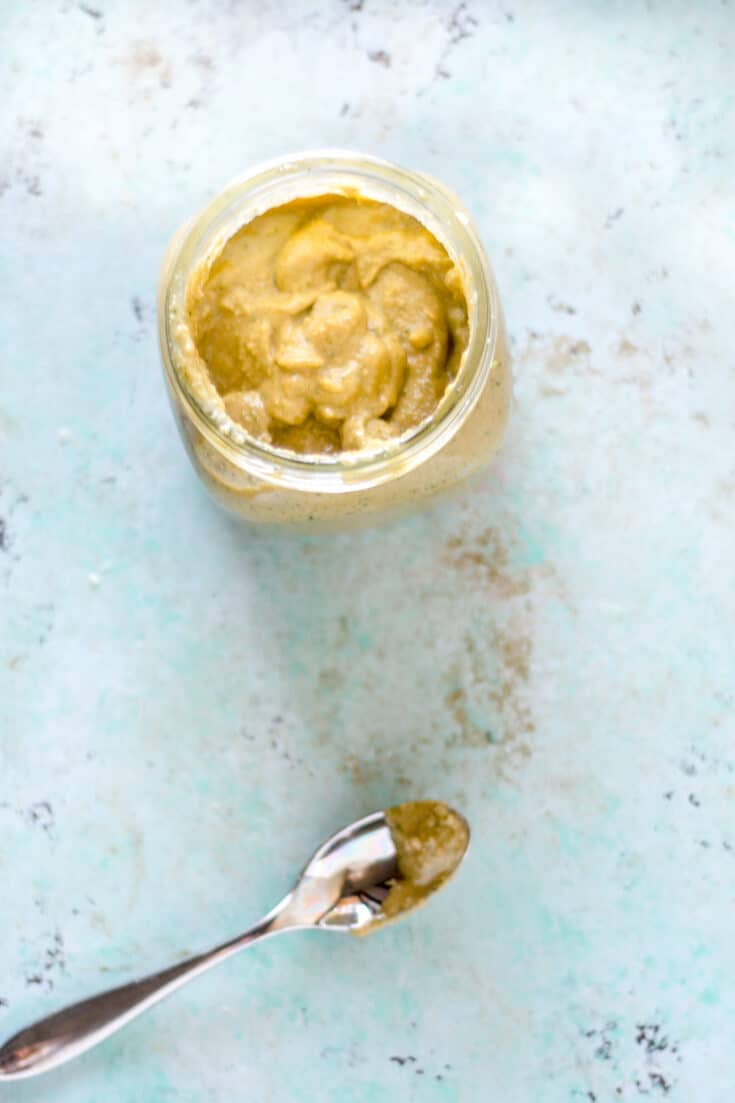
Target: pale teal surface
(188,708)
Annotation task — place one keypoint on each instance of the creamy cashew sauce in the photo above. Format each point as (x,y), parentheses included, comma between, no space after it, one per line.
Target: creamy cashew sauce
(329,324)
(430,840)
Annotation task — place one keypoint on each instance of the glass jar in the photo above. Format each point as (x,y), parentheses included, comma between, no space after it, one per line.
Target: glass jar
(259,482)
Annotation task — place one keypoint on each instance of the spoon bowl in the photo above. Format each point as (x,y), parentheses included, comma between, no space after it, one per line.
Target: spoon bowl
(351,873)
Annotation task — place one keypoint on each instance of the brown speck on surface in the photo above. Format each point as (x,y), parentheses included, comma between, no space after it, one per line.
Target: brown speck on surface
(491,707)
(368,772)
(627,348)
(146,67)
(560,354)
(579,348)
(331,678)
(380,57)
(488,696)
(487,557)
(143,56)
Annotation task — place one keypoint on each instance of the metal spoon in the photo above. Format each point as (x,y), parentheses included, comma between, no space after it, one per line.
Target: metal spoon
(343,888)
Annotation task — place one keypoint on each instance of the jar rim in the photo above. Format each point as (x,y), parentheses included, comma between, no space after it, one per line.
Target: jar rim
(321,172)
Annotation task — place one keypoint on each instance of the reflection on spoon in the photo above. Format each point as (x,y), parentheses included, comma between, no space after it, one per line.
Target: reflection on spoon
(374,871)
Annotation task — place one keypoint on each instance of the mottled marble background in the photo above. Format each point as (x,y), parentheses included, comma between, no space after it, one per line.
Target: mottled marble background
(187,707)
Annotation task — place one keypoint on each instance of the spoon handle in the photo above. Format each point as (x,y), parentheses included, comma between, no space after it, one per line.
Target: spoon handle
(75,1029)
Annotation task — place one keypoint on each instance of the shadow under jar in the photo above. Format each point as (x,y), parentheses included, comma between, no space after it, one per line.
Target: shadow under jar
(259,482)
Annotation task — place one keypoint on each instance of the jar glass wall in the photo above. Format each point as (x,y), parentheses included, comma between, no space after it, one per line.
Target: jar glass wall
(261,483)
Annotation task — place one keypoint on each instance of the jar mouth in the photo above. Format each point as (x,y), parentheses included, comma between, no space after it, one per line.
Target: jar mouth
(302,175)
